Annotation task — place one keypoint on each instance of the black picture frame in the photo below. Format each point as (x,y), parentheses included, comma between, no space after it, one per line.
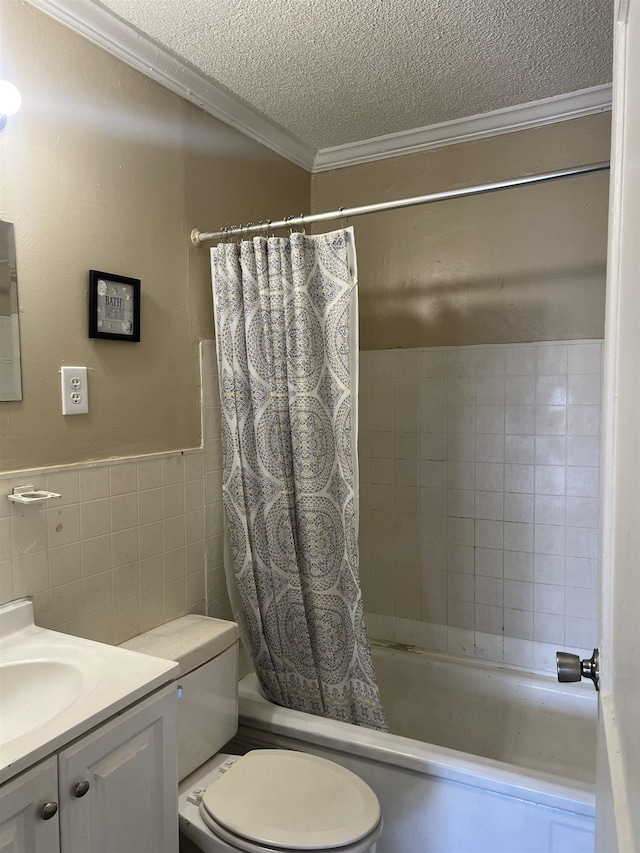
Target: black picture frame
(114,307)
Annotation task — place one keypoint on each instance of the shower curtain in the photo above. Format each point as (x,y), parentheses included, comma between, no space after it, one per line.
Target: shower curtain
(286,337)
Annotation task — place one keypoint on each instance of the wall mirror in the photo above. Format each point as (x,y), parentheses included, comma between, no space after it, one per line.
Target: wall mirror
(10,373)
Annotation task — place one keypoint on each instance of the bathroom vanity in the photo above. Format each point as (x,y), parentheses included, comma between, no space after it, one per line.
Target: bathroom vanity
(87,744)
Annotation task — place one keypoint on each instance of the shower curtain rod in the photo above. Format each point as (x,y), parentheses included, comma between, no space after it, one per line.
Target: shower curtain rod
(200,237)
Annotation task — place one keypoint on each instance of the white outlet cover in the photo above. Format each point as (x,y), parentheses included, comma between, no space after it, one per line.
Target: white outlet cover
(75,392)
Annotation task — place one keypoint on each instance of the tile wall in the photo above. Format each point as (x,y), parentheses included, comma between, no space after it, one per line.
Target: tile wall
(132,543)
(479,473)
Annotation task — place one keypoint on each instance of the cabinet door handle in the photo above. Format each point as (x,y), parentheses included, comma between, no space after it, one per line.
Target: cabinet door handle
(80,789)
(48,811)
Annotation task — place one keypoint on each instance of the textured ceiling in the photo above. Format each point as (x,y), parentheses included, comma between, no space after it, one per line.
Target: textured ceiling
(338,71)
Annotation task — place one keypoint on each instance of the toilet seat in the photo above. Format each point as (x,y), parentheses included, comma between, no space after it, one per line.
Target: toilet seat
(279,800)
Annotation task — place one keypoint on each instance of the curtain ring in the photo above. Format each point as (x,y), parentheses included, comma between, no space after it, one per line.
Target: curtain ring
(268,224)
(302,228)
(340,211)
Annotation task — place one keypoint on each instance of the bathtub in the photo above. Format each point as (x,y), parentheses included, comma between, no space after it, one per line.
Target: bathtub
(482,759)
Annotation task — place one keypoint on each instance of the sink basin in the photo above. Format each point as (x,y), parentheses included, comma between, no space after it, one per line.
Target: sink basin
(55,687)
(33,692)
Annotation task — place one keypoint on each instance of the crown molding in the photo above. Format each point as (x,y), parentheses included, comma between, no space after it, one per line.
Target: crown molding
(105,29)
(137,50)
(522,117)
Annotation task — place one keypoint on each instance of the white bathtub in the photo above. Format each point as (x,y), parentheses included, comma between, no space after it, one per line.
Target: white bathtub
(482,759)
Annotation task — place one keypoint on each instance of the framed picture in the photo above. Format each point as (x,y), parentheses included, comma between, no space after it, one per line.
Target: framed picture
(114,306)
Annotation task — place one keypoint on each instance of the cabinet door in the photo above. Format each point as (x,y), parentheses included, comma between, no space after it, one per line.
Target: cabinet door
(130,763)
(22,826)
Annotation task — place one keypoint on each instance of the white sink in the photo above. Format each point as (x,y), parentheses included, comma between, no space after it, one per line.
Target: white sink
(55,687)
(24,685)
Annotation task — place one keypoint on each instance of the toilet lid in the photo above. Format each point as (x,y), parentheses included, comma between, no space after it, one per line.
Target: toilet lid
(292,800)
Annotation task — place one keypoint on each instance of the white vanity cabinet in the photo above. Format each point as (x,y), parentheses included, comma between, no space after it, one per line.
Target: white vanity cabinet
(22,825)
(116,789)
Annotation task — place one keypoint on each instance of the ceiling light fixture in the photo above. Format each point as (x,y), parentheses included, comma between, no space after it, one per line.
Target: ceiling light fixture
(10,101)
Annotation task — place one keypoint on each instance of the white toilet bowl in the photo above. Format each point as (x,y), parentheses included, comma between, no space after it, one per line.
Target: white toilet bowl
(269,800)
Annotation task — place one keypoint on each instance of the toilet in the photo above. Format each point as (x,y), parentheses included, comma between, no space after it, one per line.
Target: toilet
(269,800)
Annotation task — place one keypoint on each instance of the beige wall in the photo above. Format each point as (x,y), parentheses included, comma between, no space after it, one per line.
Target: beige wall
(104,169)
(525,264)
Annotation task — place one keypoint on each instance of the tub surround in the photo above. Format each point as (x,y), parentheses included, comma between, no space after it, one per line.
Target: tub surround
(479,498)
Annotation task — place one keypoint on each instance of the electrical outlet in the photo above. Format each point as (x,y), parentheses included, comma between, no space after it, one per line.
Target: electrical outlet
(75,394)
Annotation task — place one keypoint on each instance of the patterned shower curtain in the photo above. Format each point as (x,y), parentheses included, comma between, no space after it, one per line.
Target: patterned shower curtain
(286,336)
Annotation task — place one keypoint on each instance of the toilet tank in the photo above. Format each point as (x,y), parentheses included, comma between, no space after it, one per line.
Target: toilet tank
(207,651)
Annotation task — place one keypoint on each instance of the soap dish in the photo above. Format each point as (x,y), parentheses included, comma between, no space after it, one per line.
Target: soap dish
(28,495)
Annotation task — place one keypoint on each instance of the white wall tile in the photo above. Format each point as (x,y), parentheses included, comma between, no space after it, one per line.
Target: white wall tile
(460,475)
(582,542)
(519,449)
(489,505)
(460,586)
(549,539)
(521,360)
(461,418)
(460,447)
(519,420)
(489,618)
(583,512)
(549,628)
(549,568)
(550,509)
(518,565)
(489,419)
(581,602)
(581,571)
(489,562)
(491,362)
(518,507)
(582,481)
(548,598)
(550,480)
(581,633)
(488,534)
(518,536)
(520,390)
(490,390)
(584,389)
(551,359)
(461,362)
(489,476)
(518,595)
(518,623)
(551,420)
(583,420)
(489,448)
(518,478)
(460,531)
(460,503)
(585,358)
(551,450)
(433,363)
(583,450)
(518,652)
(489,590)
(551,390)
